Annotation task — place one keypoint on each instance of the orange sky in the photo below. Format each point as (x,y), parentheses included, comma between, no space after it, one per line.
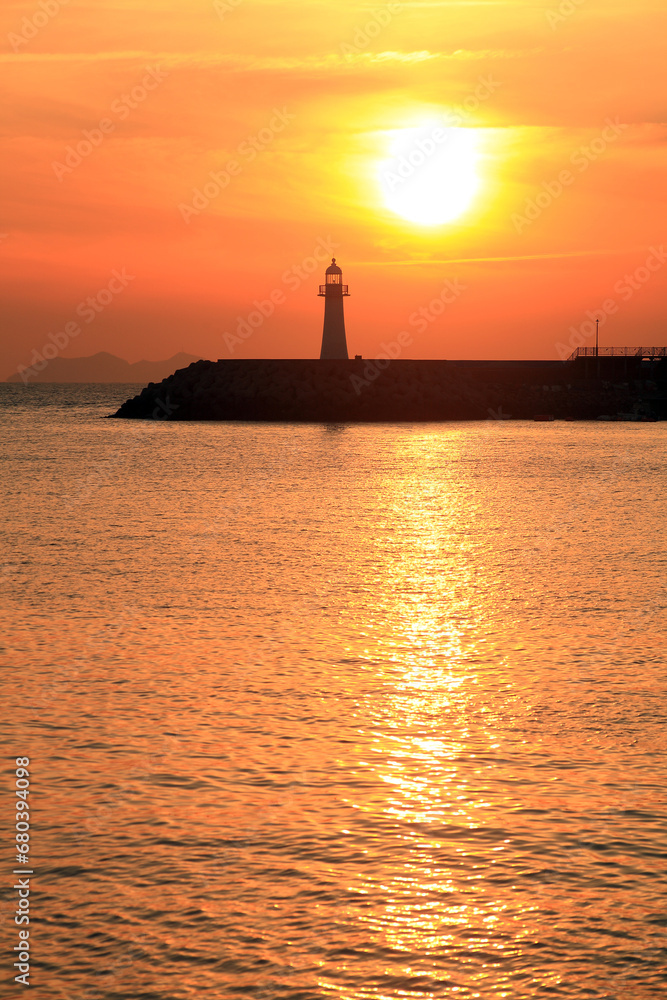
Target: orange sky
(303,109)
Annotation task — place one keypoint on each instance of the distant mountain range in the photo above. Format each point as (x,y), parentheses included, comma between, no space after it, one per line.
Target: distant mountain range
(105,367)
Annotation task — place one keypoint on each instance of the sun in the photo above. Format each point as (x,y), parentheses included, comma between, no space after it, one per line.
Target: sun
(431,177)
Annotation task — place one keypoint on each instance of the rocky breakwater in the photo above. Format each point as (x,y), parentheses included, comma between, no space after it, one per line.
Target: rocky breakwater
(290,390)
(321,391)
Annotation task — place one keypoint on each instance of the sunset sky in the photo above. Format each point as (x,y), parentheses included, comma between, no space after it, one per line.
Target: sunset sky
(531,134)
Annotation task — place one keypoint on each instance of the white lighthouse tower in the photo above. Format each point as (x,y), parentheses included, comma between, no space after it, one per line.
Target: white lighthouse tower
(334,344)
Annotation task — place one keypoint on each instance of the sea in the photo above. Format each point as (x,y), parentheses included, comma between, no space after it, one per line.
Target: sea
(333,712)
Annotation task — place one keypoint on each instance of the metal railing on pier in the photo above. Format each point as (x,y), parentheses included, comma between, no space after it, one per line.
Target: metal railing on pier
(619,352)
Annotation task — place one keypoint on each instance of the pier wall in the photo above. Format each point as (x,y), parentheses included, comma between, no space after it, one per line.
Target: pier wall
(400,390)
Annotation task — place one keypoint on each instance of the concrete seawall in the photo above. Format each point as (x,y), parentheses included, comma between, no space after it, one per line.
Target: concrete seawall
(401,390)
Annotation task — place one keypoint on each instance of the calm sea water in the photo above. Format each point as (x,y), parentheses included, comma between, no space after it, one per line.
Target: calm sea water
(335,712)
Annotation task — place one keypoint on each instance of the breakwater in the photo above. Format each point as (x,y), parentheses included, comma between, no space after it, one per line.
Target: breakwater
(401,390)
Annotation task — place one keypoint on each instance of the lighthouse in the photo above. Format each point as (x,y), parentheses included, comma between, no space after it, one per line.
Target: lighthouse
(334,344)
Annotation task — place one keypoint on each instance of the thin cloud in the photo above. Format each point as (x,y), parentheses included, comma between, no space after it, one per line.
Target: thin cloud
(253,63)
(426,261)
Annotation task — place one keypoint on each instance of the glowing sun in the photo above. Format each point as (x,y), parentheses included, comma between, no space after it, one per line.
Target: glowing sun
(431,177)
